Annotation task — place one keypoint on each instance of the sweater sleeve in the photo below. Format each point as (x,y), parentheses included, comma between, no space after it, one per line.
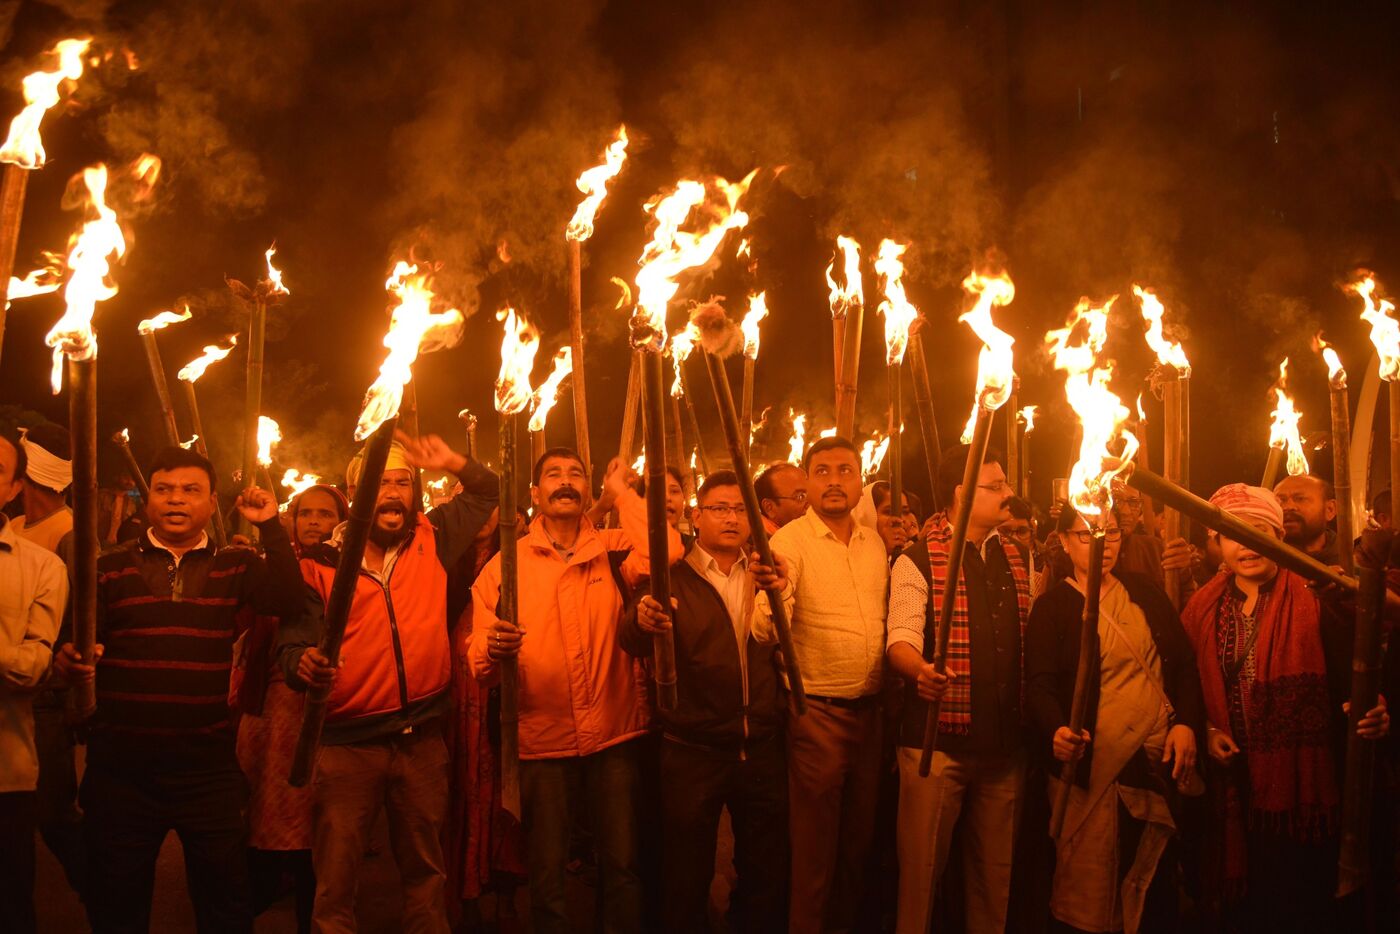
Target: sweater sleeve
(458,520)
(273,583)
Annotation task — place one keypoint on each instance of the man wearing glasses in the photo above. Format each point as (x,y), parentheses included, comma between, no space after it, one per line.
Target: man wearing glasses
(782,494)
(833,584)
(721,744)
(978,771)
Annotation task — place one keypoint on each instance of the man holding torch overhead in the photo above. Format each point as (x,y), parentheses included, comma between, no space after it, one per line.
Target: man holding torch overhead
(582,706)
(834,588)
(978,772)
(382,745)
(161,743)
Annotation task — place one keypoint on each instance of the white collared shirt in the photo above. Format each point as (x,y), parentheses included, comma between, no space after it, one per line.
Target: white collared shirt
(735,589)
(836,604)
(202,543)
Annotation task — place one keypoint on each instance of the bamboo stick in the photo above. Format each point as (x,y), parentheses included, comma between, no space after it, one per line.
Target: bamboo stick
(167,408)
(220,530)
(976,457)
(14,181)
(654,433)
(1393,388)
(1173,469)
(1013,449)
(1354,863)
(1087,668)
(469,426)
(850,373)
(626,448)
(252,407)
(581,439)
(82,421)
(838,344)
(923,406)
(746,412)
(1273,467)
(347,575)
(1341,468)
(896,452)
(137,477)
(508,610)
(694,424)
(724,402)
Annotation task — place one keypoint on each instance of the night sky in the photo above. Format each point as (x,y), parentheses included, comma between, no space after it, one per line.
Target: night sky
(1240,158)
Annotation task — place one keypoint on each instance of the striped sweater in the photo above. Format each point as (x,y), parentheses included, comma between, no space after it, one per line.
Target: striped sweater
(168,630)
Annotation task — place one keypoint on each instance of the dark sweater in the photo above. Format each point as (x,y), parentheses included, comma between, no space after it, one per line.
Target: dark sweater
(710,708)
(1052,657)
(168,632)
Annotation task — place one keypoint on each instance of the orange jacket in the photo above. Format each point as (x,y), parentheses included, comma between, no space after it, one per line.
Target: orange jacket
(396,636)
(580,692)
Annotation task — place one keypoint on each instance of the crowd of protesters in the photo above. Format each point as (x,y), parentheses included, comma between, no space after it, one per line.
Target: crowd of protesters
(1210,770)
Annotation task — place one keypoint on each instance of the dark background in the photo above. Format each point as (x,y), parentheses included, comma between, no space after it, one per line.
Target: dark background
(1238,157)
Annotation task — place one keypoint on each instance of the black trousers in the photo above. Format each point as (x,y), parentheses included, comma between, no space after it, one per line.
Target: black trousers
(129,807)
(60,823)
(695,785)
(18,822)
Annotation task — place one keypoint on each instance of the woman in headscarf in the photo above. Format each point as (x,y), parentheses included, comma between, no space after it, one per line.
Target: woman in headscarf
(1113,868)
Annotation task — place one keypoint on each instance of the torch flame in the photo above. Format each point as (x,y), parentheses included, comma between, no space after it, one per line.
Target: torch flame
(995,363)
(164,319)
(758,310)
(518,349)
(899,313)
(125,436)
(1028,417)
(672,251)
(681,347)
(88,283)
(194,439)
(797,444)
(1103,417)
(24,147)
(1169,353)
(548,393)
(1385,330)
(1283,430)
(872,454)
(274,275)
(414,328)
(269,433)
(594,185)
(41,281)
(213,353)
(297,483)
(1336,373)
(850,295)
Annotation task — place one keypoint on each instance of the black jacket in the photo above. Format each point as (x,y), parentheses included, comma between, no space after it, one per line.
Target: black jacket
(1052,656)
(714,707)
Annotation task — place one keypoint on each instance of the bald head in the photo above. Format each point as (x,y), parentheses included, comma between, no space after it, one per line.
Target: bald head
(1309,503)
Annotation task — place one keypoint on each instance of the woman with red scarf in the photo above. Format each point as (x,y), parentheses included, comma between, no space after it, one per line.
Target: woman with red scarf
(1275,671)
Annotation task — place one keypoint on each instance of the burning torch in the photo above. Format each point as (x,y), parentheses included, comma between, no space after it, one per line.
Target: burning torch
(189,375)
(1385,335)
(269,291)
(1341,449)
(899,313)
(758,310)
(847,303)
(1285,445)
(1173,375)
(147,329)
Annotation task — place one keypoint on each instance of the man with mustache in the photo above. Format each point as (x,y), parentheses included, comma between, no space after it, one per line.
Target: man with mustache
(582,707)
(979,768)
(161,745)
(834,588)
(383,748)
(1309,506)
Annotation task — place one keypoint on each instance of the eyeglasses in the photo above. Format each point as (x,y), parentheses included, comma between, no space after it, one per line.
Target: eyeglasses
(1001,487)
(722,511)
(1109,535)
(799,497)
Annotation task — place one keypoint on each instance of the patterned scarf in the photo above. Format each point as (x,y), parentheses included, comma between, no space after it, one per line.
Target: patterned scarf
(955,713)
(1292,784)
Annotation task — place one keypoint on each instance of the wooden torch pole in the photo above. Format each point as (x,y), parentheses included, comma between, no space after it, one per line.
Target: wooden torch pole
(137,477)
(508,610)
(850,374)
(217,520)
(82,421)
(1087,668)
(347,575)
(923,405)
(1013,450)
(167,408)
(1173,469)
(576,343)
(1341,467)
(626,448)
(654,436)
(896,453)
(1393,388)
(13,183)
(252,407)
(746,411)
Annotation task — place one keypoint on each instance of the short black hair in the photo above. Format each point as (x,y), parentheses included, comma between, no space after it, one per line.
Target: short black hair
(952,466)
(568,453)
(175,457)
(763,484)
(831,443)
(1380,503)
(714,481)
(1328,491)
(21,459)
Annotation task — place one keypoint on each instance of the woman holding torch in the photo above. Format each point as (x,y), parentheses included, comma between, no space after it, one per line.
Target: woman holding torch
(1113,870)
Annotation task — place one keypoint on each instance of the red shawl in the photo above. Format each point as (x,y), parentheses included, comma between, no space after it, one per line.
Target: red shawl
(1292,779)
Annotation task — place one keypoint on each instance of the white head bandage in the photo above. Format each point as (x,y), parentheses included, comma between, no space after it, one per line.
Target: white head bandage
(46,469)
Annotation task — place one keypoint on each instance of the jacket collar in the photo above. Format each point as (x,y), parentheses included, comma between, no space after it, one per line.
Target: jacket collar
(7,533)
(148,543)
(587,546)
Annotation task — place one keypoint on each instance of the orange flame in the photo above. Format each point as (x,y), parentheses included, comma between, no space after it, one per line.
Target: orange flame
(89,266)
(995,363)
(1385,330)
(1027,416)
(162,320)
(797,444)
(594,185)
(899,313)
(297,483)
(1336,373)
(274,275)
(41,281)
(1077,349)
(1169,353)
(1283,430)
(758,310)
(269,434)
(414,328)
(518,349)
(125,436)
(682,345)
(192,371)
(673,251)
(872,454)
(145,170)
(24,147)
(194,440)
(850,295)
(548,393)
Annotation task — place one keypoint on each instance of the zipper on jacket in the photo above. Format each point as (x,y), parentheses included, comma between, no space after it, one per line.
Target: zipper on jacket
(393,632)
